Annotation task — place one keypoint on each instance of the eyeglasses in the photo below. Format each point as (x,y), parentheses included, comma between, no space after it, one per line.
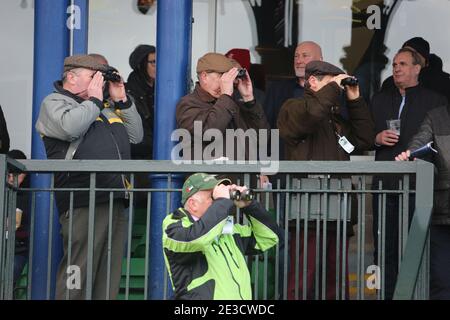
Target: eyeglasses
(152,61)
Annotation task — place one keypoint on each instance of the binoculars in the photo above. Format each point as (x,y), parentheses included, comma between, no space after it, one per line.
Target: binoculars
(241,73)
(111,74)
(247,195)
(350,81)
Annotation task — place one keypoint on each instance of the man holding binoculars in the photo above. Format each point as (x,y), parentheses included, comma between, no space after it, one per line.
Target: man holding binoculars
(204,249)
(76,121)
(314,129)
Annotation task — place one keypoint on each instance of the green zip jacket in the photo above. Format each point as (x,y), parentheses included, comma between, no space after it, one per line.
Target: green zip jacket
(203,262)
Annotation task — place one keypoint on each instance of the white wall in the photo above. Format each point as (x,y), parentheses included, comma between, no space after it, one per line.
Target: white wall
(115,28)
(327,22)
(16,71)
(429,19)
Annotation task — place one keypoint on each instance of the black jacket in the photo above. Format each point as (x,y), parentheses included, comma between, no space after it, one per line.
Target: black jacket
(436,127)
(386,104)
(108,134)
(143,95)
(431,77)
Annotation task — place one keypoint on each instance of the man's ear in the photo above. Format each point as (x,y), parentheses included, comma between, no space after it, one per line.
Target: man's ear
(417,69)
(70,77)
(192,204)
(202,75)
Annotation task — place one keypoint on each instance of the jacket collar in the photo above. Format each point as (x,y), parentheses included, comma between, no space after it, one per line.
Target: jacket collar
(59,88)
(327,96)
(203,95)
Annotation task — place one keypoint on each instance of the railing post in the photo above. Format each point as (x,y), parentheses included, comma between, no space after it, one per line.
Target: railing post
(418,233)
(52,42)
(172,81)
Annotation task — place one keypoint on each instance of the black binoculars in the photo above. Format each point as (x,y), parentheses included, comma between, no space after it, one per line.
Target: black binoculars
(247,195)
(350,81)
(111,74)
(241,73)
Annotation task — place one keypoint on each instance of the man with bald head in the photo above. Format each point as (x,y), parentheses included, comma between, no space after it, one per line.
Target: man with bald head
(306,51)
(281,91)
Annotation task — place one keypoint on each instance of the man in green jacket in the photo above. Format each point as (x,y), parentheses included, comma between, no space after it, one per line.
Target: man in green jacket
(204,250)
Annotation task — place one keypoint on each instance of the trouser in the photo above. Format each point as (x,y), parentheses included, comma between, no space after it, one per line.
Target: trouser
(440,263)
(67,286)
(313,271)
(391,240)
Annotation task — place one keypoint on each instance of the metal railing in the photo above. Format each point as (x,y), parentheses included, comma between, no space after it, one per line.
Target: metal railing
(318,206)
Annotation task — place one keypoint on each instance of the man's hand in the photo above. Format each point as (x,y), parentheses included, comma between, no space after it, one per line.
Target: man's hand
(386,138)
(245,88)
(241,203)
(221,191)
(404,156)
(95,87)
(227,81)
(352,92)
(117,91)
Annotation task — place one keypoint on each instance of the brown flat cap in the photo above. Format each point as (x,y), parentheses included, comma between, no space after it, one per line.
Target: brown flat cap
(82,61)
(321,68)
(214,62)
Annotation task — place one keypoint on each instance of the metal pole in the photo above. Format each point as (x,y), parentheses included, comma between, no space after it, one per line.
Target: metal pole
(80,26)
(172,81)
(51,46)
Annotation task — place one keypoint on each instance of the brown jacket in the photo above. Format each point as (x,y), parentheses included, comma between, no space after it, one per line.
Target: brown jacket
(309,125)
(222,113)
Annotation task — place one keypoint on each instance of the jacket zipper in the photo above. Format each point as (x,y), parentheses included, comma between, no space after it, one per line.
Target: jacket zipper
(232,276)
(232,258)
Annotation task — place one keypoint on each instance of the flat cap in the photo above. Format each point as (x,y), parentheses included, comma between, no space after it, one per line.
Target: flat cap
(83,61)
(321,68)
(214,62)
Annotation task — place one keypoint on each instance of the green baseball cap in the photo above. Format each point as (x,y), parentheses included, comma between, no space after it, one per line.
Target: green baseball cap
(198,182)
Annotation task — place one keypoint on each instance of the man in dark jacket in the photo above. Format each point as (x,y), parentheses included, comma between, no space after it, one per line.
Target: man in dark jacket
(436,128)
(280,91)
(204,249)
(431,75)
(211,106)
(76,123)
(409,102)
(22,216)
(141,86)
(313,129)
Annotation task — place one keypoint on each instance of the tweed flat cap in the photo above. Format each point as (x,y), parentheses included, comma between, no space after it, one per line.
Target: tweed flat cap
(214,62)
(321,68)
(82,61)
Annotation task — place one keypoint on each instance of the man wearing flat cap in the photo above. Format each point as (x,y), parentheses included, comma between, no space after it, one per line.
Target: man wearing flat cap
(313,129)
(75,122)
(211,106)
(204,249)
